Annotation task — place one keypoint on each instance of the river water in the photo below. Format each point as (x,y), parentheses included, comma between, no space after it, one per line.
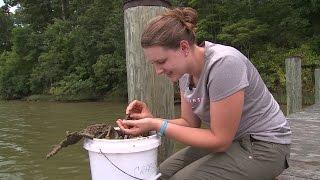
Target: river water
(29,129)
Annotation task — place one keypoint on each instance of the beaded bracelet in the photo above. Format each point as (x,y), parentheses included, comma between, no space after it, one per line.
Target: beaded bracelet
(163,127)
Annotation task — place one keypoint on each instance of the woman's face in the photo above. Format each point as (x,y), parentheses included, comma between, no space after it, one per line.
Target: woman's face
(171,62)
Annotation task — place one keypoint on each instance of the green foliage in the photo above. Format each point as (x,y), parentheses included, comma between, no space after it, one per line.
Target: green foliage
(55,61)
(315,44)
(244,34)
(17,64)
(73,84)
(26,44)
(39,13)
(308,56)
(266,31)
(75,49)
(271,65)
(13,81)
(6,24)
(110,73)
(309,59)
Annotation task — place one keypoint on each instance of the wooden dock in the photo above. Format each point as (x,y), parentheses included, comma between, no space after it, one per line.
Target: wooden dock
(305,148)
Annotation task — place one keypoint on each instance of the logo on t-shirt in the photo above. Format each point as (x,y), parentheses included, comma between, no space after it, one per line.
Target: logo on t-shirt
(194,102)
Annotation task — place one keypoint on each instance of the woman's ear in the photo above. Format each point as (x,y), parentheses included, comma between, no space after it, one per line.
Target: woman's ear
(185,47)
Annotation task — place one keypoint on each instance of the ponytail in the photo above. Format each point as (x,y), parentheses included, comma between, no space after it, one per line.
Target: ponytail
(170,28)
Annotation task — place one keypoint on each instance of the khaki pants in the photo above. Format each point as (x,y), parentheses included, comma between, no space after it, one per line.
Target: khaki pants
(246,159)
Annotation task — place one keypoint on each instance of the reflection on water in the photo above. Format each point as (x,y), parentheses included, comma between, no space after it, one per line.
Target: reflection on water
(29,129)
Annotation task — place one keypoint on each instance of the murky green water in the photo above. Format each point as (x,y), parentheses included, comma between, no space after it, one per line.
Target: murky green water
(29,129)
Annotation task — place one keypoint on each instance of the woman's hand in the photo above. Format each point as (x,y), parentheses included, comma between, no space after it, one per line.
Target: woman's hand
(138,110)
(138,127)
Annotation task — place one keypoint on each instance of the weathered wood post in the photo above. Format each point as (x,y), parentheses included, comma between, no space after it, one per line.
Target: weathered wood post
(293,84)
(143,84)
(317,85)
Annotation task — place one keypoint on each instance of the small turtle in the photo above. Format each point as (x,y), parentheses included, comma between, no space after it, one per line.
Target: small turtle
(99,131)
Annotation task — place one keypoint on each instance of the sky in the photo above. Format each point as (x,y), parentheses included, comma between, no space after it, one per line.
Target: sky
(11,9)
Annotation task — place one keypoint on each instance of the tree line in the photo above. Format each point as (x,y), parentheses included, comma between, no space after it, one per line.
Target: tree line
(75,50)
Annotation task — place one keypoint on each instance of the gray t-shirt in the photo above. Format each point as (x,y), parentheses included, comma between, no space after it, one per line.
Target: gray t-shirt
(226,71)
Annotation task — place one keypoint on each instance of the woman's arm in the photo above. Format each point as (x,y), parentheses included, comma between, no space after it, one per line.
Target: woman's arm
(188,118)
(225,117)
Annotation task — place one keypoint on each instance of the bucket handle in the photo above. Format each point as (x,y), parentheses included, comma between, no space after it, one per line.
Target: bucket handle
(121,169)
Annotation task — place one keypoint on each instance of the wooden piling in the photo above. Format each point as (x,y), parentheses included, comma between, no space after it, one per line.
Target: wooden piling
(143,84)
(317,85)
(293,84)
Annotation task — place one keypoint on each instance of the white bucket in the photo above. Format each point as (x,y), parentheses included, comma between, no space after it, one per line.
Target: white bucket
(123,159)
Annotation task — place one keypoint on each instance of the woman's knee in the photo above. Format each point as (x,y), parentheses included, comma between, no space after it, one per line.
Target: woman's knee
(180,160)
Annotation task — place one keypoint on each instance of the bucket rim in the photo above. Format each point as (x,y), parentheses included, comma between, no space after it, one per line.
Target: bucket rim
(124,140)
(122,145)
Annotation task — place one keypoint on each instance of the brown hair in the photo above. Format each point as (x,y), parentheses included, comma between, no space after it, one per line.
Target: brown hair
(169,28)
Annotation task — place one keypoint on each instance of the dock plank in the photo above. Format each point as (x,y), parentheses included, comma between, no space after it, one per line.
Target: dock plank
(304,159)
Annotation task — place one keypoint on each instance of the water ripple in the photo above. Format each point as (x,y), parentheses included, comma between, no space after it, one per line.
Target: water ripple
(28,131)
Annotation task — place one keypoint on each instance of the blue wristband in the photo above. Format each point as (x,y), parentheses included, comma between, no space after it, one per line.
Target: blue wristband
(163,127)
